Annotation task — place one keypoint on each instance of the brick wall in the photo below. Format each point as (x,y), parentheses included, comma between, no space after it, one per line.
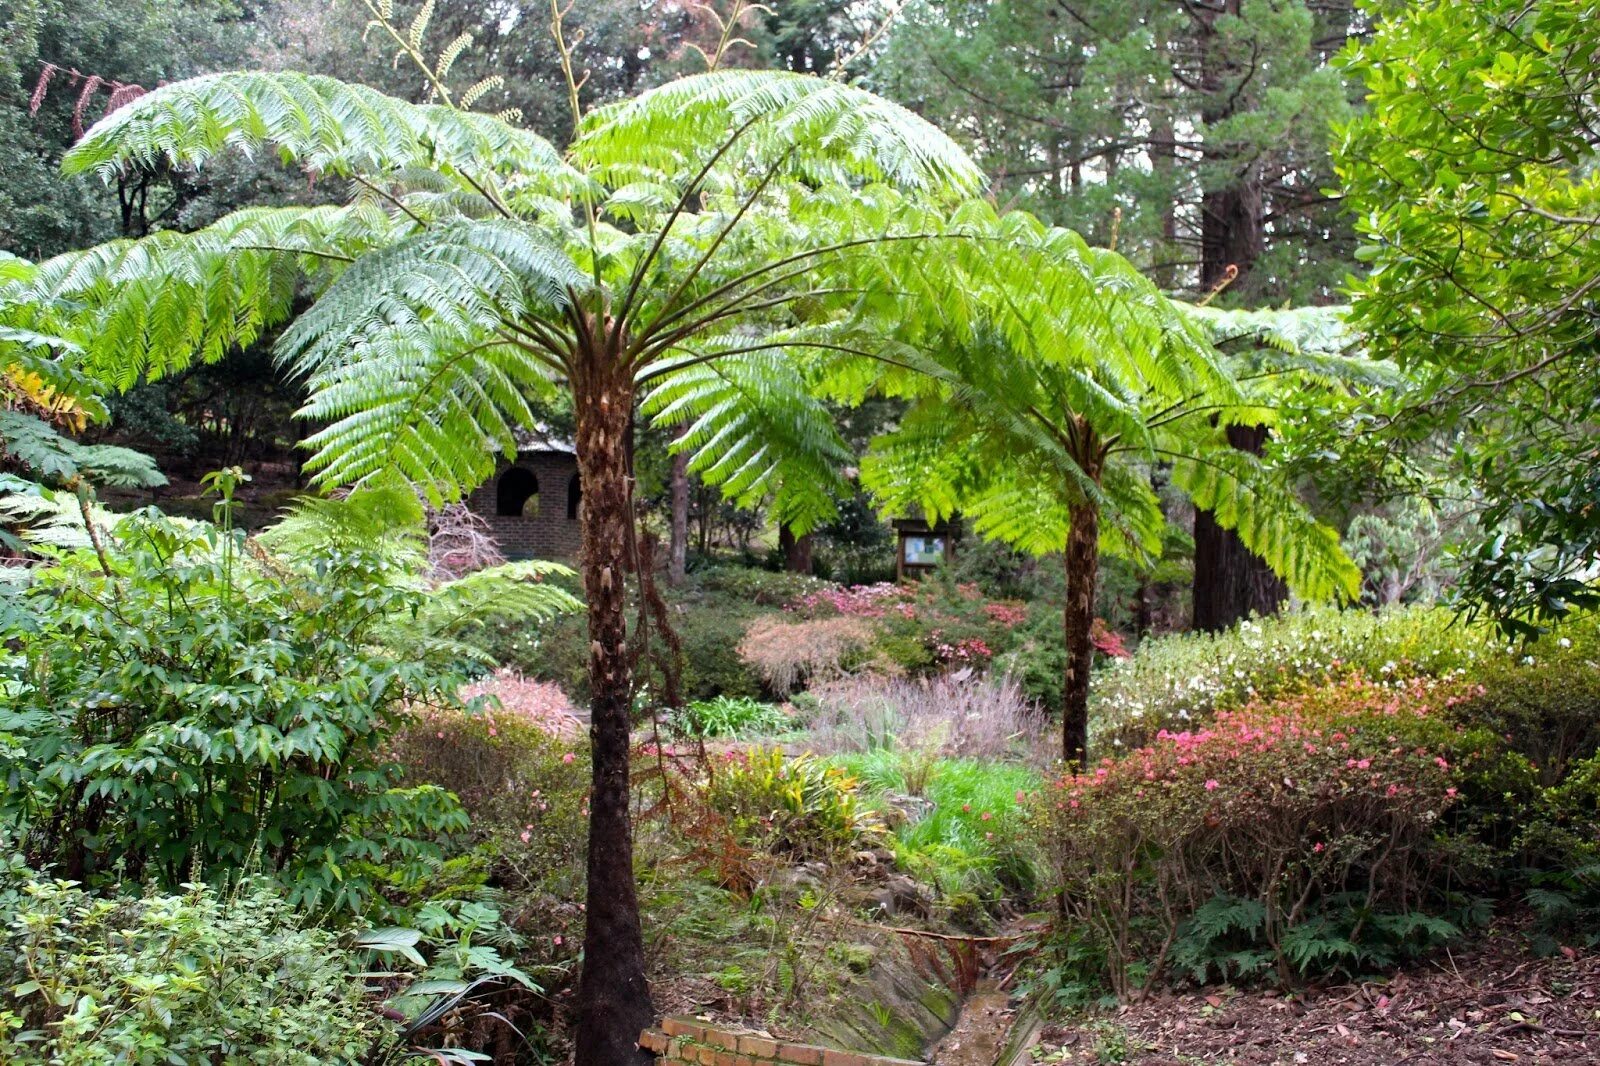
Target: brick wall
(689,1040)
(548,534)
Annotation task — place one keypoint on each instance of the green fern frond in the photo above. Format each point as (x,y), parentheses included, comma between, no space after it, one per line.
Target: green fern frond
(826,129)
(1270,519)
(39,449)
(755,429)
(325,125)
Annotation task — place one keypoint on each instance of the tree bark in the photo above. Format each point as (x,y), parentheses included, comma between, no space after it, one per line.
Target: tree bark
(796,551)
(1083,570)
(613,996)
(678,534)
(1230,581)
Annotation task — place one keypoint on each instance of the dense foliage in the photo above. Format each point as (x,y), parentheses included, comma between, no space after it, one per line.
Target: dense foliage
(198,976)
(1473,181)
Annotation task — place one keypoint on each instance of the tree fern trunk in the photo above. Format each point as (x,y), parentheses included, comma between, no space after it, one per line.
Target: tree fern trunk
(1083,570)
(613,996)
(678,535)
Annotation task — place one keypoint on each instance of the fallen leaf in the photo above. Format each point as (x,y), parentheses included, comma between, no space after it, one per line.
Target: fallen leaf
(1504,1056)
(1215,1001)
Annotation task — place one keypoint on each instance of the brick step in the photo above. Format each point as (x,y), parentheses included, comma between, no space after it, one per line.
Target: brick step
(682,1039)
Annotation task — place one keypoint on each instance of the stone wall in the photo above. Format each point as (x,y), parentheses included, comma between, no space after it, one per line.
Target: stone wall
(550,533)
(689,1040)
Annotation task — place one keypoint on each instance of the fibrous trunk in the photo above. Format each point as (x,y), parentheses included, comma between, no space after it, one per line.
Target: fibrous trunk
(678,535)
(1083,568)
(613,996)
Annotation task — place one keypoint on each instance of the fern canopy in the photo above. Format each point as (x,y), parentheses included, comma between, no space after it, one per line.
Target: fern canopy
(1039,402)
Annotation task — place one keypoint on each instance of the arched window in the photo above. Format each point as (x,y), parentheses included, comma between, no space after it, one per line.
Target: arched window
(574,497)
(517,493)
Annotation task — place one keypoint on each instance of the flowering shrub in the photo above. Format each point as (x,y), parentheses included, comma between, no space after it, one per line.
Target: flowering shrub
(1311,818)
(859,601)
(939,624)
(1177,681)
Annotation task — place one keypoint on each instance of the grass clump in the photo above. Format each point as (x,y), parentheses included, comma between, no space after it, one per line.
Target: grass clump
(732,716)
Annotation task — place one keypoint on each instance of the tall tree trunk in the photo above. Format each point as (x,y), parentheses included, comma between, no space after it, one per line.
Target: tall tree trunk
(678,534)
(1230,581)
(613,997)
(796,551)
(1083,570)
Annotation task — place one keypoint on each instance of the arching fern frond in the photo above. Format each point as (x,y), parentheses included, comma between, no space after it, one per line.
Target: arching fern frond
(325,125)
(144,308)
(1270,519)
(827,130)
(755,429)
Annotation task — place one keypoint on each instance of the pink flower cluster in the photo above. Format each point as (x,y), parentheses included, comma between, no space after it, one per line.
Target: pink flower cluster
(1007,614)
(861,601)
(1330,740)
(970,650)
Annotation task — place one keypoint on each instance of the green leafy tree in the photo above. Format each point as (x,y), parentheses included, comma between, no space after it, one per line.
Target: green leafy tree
(1192,134)
(477,269)
(1473,179)
(1043,426)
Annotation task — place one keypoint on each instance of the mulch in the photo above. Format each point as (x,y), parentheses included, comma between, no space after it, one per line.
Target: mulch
(1491,1003)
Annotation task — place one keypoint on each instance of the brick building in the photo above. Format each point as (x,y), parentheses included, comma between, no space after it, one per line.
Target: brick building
(532,504)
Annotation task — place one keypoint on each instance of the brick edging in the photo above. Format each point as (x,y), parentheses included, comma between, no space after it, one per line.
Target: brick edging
(682,1039)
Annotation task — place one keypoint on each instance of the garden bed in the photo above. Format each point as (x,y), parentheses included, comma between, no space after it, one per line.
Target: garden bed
(1492,1002)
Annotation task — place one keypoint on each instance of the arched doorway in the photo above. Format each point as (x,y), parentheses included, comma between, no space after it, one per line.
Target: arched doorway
(514,493)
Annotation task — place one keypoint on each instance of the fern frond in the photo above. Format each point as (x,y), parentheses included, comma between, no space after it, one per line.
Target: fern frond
(1270,519)
(325,125)
(145,308)
(36,446)
(825,129)
(755,429)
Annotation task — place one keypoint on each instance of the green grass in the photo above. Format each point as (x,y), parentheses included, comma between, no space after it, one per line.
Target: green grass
(737,717)
(976,839)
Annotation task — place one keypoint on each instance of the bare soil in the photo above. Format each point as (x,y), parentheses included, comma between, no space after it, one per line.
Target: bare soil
(1492,1002)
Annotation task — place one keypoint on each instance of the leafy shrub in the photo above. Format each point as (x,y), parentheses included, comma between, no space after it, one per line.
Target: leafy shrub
(1544,698)
(1177,681)
(526,791)
(732,716)
(791,805)
(758,588)
(709,614)
(1560,844)
(1288,838)
(182,707)
(788,653)
(185,978)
